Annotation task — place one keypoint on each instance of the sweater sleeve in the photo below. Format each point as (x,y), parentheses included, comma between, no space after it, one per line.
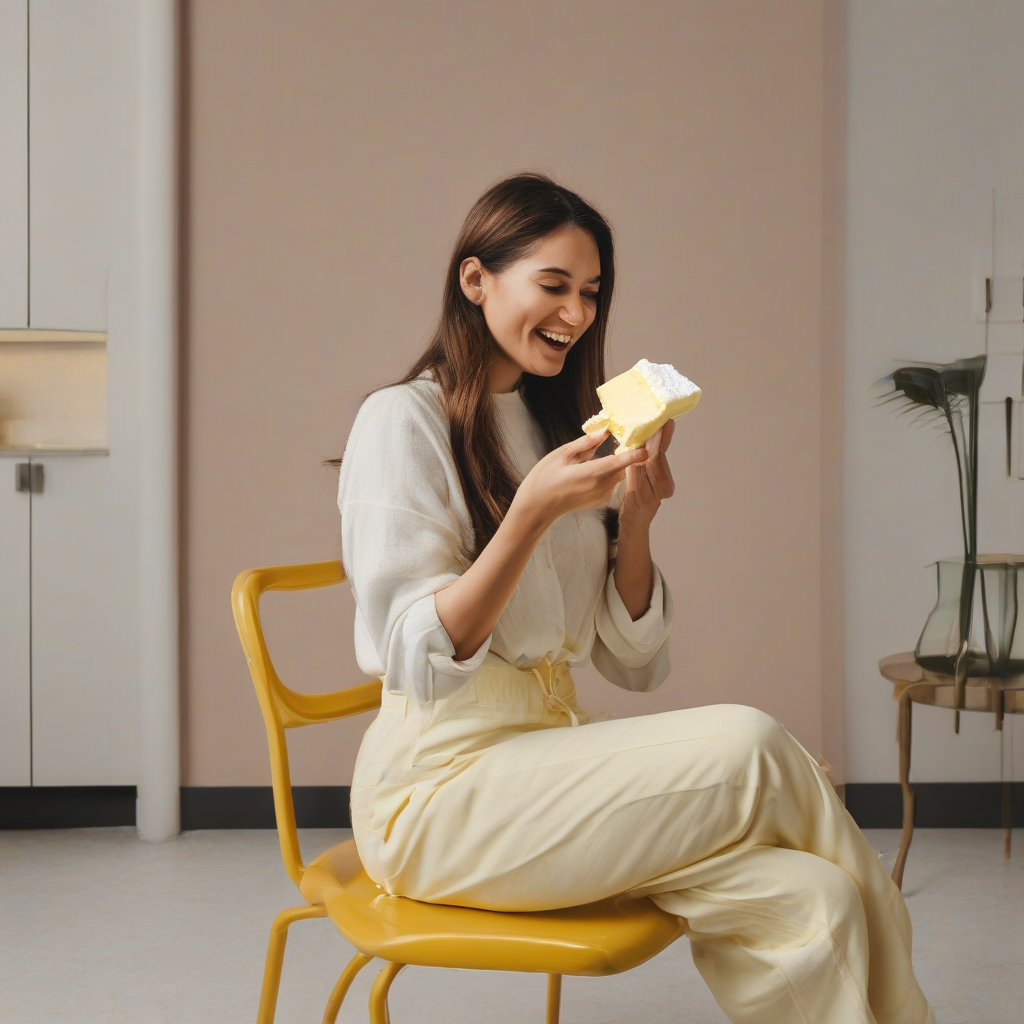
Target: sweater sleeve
(402,540)
(633,655)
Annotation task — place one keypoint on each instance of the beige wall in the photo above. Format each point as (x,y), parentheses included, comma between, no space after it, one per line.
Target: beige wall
(833,336)
(332,151)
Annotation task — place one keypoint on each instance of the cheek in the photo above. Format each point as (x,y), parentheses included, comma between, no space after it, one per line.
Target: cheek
(537,312)
(516,314)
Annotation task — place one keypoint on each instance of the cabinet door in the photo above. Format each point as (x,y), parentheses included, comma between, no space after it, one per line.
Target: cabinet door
(75,148)
(84,625)
(13,163)
(15,700)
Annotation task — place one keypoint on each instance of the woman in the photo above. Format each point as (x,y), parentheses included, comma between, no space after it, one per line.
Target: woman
(476,533)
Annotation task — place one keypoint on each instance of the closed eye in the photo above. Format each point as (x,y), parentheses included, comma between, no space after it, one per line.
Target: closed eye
(558,289)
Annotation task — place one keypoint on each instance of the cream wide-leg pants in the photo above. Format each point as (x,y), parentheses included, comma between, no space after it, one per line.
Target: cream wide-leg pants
(492,799)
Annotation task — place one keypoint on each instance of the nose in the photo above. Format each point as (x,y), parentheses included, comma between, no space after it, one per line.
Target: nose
(573,312)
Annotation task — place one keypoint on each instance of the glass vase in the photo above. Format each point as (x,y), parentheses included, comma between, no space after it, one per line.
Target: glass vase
(973,625)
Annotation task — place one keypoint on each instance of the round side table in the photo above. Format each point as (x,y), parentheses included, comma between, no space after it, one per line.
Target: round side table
(915,685)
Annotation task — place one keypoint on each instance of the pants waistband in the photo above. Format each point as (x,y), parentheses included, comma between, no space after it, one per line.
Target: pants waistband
(547,675)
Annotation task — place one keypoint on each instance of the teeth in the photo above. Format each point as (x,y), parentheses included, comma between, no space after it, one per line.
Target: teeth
(562,339)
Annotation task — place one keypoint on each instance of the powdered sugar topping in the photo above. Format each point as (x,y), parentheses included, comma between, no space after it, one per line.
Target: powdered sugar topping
(665,380)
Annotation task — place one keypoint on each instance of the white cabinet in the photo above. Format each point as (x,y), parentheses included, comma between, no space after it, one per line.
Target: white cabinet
(69,238)
(84,626)
(76,91)
(63,139)
(68,657)
(13,163)
(15,595)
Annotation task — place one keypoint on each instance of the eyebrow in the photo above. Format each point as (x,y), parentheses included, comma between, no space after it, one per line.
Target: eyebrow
(565,273)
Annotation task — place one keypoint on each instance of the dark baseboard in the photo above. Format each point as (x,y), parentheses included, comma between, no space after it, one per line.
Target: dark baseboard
(939,804)
(872,804)
(29,807)
(253,807)
(23,807)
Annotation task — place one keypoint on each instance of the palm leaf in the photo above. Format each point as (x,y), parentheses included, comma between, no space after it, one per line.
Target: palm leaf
(947,393)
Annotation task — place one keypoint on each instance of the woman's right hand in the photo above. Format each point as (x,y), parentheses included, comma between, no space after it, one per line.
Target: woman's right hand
(567,480)
(570,479)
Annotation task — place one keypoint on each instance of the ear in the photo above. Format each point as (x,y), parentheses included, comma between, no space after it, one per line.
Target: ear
(471,277)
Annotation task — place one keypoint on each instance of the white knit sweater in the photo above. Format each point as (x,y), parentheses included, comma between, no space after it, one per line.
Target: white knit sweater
(405,526)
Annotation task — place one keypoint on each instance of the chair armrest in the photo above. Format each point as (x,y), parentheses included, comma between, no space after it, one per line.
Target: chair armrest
(310,708)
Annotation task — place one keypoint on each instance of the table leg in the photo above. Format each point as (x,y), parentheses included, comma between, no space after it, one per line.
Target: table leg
(904,721)
(1006,792)
(1007,815)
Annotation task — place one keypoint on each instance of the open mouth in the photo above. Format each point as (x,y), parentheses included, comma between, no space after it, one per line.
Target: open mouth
(553,339)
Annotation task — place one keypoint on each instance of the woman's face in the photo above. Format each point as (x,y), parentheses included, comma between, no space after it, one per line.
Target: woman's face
(538,307)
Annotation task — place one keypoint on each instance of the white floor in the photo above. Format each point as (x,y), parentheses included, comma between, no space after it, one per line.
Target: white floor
(97,926)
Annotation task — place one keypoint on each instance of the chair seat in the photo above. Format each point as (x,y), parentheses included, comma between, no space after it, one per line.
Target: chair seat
(600,938)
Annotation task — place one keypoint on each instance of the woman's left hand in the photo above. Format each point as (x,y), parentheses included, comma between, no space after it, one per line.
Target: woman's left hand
(648,485)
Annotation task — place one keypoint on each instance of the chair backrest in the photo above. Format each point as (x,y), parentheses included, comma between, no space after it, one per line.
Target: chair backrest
(284,708)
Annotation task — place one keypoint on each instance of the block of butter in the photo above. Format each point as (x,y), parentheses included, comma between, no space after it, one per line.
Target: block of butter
(638,403)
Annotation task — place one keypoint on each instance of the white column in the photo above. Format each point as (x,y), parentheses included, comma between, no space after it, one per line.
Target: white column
(159,744)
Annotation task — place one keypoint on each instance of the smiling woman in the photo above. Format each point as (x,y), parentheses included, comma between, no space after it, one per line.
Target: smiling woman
(539,307)
(472,522)
(532,257)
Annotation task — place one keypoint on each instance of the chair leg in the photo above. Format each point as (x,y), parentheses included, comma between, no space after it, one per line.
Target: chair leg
(379,994)
(356,964)
(275,957)
(554,998)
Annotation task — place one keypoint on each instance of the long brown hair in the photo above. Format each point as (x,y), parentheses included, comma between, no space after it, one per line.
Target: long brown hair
(501,228)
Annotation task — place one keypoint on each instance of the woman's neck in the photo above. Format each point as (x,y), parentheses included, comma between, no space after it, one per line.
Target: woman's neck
(503,375)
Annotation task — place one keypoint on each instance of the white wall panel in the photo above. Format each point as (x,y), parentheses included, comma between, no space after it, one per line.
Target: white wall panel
(14,630)
(84,626)
(84,168)
(73,83)
(13,163)
(935,92)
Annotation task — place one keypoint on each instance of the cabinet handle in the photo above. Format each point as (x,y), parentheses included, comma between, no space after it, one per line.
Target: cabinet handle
(28,477)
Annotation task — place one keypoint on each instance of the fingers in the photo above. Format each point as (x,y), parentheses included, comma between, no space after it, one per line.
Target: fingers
(583,448)
(639,483)
(653,443)
(622,460)
(664,486)
(661,479)
(657,468)
(666,435)
(660,474)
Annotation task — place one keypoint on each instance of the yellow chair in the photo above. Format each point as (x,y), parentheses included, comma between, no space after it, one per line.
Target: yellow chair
(601,938)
